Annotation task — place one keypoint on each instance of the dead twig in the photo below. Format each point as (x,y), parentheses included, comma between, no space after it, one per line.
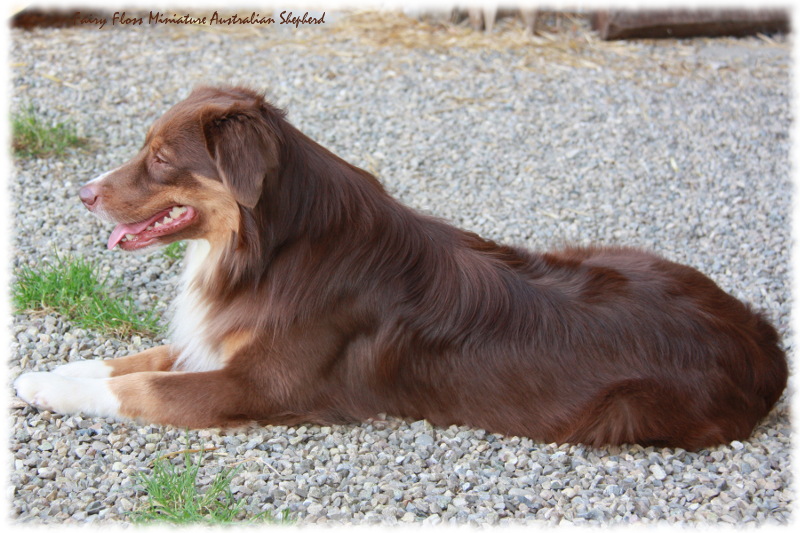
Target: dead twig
(170,455)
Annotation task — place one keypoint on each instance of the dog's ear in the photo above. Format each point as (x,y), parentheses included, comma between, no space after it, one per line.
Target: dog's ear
(244,148)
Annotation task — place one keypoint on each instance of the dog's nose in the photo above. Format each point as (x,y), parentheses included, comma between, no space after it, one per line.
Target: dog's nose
(88,195)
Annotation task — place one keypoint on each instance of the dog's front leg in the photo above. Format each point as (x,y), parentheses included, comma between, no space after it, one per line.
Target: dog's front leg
(185,399)
(81,386)
(160,358)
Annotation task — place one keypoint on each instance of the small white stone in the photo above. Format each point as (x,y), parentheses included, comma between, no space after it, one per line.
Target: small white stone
(658,472)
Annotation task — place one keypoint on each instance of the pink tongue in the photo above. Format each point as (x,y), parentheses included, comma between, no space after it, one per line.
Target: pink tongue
(123,229)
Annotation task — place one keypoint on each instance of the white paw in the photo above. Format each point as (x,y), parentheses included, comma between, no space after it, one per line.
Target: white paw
(32,387)
(67,395)
(84,369)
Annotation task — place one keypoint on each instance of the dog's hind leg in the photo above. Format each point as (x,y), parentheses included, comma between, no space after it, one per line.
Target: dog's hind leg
(647,412)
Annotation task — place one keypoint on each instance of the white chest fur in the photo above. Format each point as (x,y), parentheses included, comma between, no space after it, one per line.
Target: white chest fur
(188,328)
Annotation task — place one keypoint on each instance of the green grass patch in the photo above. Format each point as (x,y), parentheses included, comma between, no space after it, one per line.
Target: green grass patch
(175,250)
(73,288)
(174,497)
(31,137)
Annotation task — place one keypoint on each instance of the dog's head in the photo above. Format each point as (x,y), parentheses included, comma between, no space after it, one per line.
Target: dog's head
(203,162)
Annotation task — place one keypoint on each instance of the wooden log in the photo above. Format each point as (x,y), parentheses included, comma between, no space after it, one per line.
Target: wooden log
(683,23)
(30,18)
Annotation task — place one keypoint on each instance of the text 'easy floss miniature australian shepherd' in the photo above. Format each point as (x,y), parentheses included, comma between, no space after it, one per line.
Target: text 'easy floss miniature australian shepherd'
(310,295)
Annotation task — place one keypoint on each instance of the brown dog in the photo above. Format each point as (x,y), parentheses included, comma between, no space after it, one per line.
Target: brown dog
(310,295)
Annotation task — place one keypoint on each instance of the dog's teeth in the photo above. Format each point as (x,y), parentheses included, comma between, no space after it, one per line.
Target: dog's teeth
(158,224)
(129,236)
(176,211)
(150,226)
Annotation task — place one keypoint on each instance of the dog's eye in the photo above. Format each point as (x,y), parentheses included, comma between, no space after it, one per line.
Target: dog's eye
(158,159)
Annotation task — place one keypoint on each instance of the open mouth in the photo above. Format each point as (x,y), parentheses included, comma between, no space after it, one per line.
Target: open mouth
(145,233)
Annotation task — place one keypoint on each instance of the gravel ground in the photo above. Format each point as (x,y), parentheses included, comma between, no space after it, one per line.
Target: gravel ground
(677,146)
